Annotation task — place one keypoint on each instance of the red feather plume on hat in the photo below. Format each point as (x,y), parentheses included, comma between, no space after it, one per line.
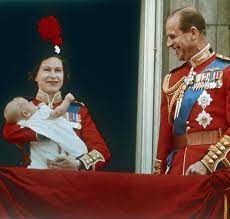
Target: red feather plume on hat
(50,30)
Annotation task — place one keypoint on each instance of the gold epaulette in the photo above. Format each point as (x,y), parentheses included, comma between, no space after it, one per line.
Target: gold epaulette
(90,159)
(217,153)
(171,90)
(78,102)
(222,57)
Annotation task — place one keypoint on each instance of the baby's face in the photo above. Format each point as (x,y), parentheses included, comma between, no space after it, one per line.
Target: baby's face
(26,105)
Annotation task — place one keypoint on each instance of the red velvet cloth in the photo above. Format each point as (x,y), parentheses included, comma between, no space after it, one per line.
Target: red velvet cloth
(227,203)
(47,194)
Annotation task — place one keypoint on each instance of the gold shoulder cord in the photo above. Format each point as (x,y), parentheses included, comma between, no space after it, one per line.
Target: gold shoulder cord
(173,91)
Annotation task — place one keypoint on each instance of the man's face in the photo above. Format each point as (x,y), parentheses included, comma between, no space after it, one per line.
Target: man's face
(182,42)
(50,75)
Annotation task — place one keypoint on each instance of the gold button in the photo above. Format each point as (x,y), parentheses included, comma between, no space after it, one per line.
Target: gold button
(210,161)
(218,152)
(188,128)
(184,87)
(226,143)
(214,156)
(222,148)
(187,122)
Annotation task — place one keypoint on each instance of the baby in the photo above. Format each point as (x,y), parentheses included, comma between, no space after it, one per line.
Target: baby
(61,140)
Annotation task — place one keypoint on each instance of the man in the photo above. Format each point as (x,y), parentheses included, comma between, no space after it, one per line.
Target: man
(194,133)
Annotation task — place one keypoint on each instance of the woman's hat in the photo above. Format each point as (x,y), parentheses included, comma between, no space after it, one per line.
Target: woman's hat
(50,31)
(47,41)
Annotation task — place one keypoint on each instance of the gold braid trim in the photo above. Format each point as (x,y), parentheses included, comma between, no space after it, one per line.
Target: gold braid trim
(90,159)
(217,153)
(226,205)
(173,91)
(157,167)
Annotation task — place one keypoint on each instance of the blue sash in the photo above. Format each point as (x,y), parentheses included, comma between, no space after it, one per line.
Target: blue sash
(190,97)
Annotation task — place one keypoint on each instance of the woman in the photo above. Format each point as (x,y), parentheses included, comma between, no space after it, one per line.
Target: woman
(49,75)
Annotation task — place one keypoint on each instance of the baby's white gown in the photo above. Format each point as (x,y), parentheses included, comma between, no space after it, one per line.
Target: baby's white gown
(62,140)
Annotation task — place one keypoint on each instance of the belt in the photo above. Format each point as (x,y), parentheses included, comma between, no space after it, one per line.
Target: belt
(197,138)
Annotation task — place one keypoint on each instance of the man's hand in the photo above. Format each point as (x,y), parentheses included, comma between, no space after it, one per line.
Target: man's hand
(69,97)
(64,163)
(197,168)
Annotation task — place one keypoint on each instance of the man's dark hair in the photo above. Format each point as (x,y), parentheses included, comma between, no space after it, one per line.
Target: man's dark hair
(190,17)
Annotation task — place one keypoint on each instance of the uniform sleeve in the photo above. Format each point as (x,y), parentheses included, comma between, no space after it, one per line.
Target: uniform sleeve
(165,138)
(14,134)
(227,90)
(92,138)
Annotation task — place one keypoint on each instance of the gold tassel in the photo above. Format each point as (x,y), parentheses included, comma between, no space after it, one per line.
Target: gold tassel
(226,208)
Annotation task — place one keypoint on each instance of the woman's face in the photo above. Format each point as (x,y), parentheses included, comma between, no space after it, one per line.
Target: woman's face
(50,75)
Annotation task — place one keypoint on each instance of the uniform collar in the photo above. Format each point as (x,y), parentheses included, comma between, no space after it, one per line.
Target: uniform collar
(205,54)
(44,97)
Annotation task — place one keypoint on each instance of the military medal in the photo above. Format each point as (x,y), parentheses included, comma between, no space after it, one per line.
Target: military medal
(76,125)
(75,119)
(204,99)
(204,119)
(209,79)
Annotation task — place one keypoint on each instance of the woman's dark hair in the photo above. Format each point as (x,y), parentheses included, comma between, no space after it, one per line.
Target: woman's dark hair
(190,17)
(32,75)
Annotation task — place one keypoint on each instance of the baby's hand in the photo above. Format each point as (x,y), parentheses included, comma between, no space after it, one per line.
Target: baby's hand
(69,97)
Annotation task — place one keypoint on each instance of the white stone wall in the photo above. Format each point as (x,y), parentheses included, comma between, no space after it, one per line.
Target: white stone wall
(217,16)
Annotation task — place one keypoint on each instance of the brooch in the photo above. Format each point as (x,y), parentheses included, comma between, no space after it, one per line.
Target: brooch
(204,119)
(204,99)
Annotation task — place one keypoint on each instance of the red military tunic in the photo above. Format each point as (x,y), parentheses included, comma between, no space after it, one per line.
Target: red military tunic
(219,110)
(87,132)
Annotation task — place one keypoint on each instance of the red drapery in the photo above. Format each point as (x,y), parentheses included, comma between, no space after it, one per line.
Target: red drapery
(47,194)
